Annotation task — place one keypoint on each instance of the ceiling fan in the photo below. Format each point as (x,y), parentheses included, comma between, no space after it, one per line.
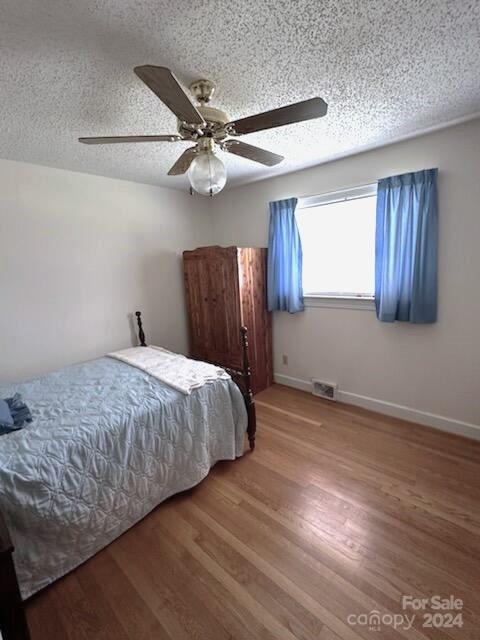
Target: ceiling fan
(210,128)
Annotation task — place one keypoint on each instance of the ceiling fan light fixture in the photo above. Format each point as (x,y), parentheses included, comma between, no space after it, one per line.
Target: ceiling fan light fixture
(207,173)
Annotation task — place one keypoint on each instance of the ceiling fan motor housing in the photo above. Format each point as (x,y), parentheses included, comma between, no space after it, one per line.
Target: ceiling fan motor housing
(215,125)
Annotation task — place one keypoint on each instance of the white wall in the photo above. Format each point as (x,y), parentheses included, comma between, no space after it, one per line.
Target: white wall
(424,368)
(78,254)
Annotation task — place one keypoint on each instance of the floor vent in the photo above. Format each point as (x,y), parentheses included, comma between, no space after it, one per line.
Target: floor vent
(327,390)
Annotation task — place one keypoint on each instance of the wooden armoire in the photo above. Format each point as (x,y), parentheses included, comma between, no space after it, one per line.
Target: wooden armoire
(226,288)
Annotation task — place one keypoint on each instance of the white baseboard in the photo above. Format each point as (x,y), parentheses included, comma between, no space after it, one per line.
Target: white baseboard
(296,383)
(450,425)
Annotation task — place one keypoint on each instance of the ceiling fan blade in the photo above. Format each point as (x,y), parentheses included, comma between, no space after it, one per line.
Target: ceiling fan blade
(252,153)
(183,163)
(164,84)
(120,139)
(298,112)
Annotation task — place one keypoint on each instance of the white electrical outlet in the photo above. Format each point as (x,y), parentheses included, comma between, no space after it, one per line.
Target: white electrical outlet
(285,359)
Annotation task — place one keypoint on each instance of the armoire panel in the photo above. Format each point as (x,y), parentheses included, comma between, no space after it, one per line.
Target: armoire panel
(225,289)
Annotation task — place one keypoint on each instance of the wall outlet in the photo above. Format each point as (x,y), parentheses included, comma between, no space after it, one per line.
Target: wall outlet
(285,359)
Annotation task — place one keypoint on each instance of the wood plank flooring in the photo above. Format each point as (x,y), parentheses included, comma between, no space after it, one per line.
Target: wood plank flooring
(339,512)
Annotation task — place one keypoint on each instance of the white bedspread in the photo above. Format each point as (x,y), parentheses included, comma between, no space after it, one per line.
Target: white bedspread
(179,372)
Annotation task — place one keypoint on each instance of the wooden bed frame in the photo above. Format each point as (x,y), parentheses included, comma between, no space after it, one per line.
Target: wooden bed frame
(13,622)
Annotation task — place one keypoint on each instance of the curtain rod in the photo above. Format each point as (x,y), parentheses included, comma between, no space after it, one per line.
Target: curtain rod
(340,195)
(358,186)
(327,193)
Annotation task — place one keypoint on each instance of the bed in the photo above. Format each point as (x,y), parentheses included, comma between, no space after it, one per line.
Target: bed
(109,442)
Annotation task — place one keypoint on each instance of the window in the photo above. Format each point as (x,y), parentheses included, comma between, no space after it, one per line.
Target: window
(338,242)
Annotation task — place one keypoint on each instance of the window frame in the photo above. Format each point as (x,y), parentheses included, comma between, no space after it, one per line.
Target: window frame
(344,301)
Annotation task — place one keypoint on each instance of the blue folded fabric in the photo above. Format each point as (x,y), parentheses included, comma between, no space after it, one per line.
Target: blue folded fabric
(18,414)
(6,419)
(19,410)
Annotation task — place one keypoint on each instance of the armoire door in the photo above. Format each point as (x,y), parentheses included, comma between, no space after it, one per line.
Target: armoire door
(252,265)
(213,304)
(197,294)
(224,306)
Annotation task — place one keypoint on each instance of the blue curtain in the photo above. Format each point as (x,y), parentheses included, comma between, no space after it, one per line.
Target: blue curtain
(406,248)
(284,276)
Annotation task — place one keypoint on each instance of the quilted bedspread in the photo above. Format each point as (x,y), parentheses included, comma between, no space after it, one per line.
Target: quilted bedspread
(107,444)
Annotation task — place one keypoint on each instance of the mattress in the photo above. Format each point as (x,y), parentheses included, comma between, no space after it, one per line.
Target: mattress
(107,444)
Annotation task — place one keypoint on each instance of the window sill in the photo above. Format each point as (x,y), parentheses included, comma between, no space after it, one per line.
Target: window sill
(340,302)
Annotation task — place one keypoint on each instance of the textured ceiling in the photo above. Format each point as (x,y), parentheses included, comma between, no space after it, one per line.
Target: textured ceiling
(386,68)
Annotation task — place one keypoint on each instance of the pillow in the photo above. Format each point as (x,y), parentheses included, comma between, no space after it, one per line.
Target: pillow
(6,419)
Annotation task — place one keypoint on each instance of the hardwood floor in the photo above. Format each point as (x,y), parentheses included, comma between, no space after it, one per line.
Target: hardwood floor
(338,512)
